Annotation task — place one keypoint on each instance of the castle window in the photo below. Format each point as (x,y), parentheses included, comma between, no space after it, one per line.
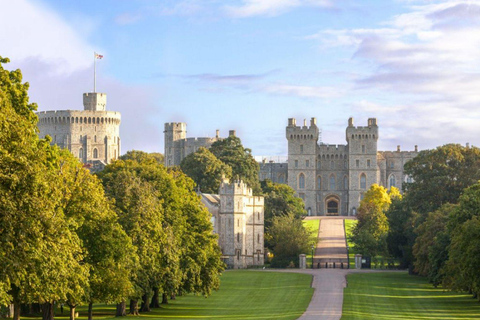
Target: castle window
(345,164)
(80,153)
(345,183)
(281,179)
(363,148)
(363,181)
(301,181)
(258,237)
(319,164)
(368,163)
(307,163)
(95,153)
(95,138)
(392,164)
(301,148)
(319,182)
(391,181)
(357,163)
(258,216)
(332,182)
(296,163)
(238,237)
(238,254)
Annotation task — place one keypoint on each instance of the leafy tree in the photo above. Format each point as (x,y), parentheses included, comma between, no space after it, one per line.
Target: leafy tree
(206,170)
(430,248)
(440,175)
(244,167)
(289,238)
(370,233)
(39,255)
(280,200)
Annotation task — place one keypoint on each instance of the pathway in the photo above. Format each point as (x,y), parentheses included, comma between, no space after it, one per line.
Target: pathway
(331,248)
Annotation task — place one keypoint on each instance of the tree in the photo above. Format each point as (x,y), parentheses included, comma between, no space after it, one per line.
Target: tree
(370,233)
(39,255)
(244,167)
(289,238)
(280,200)
(440,175)
(430,248)
(206,170)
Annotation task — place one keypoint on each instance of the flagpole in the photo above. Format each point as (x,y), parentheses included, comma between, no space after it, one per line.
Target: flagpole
(94,72)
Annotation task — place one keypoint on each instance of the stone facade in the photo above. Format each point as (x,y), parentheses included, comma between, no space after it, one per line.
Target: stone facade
(92,135)
(238,219)
(178,146)
(332,179)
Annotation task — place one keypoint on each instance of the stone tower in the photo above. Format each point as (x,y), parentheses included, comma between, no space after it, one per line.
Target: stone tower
(240,225)
(302,154)
(362,164)
(92,135)
(175,133)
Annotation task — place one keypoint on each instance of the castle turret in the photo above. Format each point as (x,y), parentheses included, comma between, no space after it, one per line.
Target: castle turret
(174,132)
(362,164)
(302,151)
(94,101)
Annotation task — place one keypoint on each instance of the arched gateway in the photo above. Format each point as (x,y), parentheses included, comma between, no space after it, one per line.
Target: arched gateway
(332,206)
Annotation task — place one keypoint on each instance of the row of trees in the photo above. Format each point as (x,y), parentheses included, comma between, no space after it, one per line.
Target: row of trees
(285,234)
(434,230)
(137,232)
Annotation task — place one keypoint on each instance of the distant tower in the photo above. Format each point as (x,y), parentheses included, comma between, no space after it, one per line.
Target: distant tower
(362,165)
(92,135)
(241,225)
(302,152)
(175,133)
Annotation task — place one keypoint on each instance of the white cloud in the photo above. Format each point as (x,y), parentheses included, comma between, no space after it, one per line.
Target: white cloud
(322,92)
(250,8)
(32,30)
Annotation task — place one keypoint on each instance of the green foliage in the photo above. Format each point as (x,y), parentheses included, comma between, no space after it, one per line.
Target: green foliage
(370,233)
(401,236)
(244,167)
(288,238)
(206,170)
(440,175)
(280,200)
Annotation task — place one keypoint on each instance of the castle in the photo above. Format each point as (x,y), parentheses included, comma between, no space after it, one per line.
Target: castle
(92,135)
(237,218)
(331,179)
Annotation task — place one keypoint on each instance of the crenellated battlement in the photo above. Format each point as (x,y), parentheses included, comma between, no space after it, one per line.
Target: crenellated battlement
(294,132)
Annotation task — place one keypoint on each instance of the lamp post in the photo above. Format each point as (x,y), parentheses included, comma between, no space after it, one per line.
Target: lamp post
(313,247)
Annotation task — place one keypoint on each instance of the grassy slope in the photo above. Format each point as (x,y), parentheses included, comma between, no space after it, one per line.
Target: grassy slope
(396,295)
(242,295)
(349,225)
(313,226)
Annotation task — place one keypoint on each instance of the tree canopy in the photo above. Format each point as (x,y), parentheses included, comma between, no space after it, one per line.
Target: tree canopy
(206,170)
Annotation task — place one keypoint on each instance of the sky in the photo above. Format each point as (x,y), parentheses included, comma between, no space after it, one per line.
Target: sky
(249,65)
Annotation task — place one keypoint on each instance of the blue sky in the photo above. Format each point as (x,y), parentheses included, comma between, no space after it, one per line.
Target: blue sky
(249,65)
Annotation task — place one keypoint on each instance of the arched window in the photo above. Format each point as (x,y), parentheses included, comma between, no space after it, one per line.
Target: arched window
(363,181)
(94,138)
(332,182)
(80,153)
(319,182)
(345,183)
(301,181)
(281,178)
(391,181)
(95,153)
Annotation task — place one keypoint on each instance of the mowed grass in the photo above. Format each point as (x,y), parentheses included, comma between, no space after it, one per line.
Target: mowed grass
(313,226)
(243,295)
(397,295)
(349,225)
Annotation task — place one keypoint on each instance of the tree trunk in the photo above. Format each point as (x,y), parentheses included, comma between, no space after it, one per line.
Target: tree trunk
(145,305)
(121,309)
(155,303)
(16,310)
(134,307)
(47,311)
(164,298)
(72,311)
(90,311)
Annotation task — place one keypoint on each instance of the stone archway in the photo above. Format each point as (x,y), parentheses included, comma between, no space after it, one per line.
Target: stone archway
(332,206)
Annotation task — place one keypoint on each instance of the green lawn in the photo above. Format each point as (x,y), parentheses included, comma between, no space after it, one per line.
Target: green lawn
(349,225)
(243,295)
(313,226)
(397,295)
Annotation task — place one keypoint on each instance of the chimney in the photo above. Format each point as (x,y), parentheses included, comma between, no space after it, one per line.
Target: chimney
(416,148)
(217,134)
